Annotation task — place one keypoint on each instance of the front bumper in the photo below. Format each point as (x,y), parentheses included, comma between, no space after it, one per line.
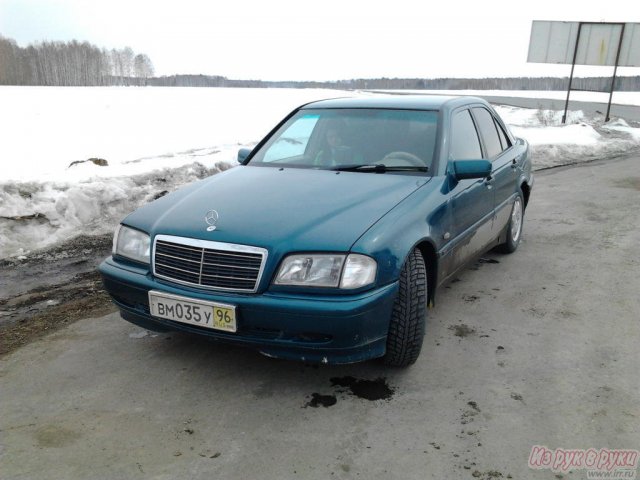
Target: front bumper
(314,328)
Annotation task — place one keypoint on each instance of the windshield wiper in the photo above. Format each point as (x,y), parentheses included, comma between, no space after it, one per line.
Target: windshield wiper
(379,168)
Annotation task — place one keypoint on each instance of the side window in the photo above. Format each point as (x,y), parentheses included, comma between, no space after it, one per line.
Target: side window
(488,131)
(504,140)
(293,141)
(464,138)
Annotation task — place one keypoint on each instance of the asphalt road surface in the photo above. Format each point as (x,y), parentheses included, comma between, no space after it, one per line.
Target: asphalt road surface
(631,113)
(535,348)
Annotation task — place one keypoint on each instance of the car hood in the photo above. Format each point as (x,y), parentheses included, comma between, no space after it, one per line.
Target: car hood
(279,208)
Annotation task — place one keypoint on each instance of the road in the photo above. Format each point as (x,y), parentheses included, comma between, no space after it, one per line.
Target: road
(631,113)
(535,348)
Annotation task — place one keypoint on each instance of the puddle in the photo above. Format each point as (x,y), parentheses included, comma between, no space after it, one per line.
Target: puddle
(368,389)
(318,400)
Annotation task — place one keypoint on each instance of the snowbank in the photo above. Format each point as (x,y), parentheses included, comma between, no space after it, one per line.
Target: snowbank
(580,139)
(35,215)
(620,125)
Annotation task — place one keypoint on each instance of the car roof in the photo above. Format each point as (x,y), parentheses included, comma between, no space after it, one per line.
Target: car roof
(408,102)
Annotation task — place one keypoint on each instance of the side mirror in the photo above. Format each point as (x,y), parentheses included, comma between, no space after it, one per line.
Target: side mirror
(467,169)
(243,153)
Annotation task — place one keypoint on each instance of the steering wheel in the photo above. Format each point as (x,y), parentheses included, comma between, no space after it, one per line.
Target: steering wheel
(402,158)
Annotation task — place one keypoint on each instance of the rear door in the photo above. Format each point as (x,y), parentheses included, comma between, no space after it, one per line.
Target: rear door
(497,149)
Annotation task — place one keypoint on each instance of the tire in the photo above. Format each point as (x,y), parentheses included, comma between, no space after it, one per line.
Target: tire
(514,227)
(406,329)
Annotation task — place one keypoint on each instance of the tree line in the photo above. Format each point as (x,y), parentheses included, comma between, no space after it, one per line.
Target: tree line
(596,84)
(71,64)
(83,64)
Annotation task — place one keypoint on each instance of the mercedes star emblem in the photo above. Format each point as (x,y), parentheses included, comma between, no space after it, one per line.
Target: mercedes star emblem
(211,218)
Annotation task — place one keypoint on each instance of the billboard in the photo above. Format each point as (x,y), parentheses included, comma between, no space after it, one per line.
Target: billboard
(555,42)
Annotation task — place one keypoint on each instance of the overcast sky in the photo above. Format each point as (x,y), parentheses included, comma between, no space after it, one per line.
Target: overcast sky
(315,40)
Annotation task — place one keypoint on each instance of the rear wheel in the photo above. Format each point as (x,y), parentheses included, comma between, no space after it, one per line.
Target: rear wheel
(406,330)
(514,228)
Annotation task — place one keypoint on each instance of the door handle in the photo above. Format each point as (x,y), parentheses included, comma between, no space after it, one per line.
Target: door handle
(515,162)
(488,181)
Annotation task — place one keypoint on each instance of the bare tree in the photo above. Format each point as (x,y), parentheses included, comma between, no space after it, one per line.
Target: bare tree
(9,61)
(143,68)
(122,65)
(127,56)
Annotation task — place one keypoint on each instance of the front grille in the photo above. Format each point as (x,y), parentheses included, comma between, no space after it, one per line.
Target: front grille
(214,265)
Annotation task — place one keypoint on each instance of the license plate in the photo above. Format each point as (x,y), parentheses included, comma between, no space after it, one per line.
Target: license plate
(217,316)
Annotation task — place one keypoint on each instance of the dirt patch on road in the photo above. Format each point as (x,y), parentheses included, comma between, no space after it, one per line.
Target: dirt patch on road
(36,317)
(46,290)
(462,330)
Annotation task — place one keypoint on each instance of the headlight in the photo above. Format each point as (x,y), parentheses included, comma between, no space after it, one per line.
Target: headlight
(132,244)
(327,270)
(311,270)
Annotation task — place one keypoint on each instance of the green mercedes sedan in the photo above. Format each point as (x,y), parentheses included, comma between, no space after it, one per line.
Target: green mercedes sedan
(331,237)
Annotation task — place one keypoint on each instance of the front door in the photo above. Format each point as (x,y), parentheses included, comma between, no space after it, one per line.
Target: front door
(471,200)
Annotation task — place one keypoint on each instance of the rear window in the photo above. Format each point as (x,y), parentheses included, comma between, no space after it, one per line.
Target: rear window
(504,140)
(489,133)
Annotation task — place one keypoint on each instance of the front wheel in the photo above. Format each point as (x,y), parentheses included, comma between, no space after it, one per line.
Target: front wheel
(514,228)
(406,330)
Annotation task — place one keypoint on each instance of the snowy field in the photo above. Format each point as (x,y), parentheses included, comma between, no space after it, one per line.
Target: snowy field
(135,129)
(156,139)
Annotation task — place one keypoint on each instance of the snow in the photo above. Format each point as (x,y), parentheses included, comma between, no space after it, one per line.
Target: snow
(134,129)
(569,135)
(157,139)
(529,117)
(580,139)
(544,127)
(66,209)
(620,125)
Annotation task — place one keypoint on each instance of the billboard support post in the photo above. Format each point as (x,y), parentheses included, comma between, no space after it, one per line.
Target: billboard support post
(573,66)
(615,70)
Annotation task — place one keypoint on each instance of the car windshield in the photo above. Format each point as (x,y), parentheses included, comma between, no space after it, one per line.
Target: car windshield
(363,140)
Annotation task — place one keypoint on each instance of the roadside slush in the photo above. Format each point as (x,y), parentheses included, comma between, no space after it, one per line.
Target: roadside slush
(535,348)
